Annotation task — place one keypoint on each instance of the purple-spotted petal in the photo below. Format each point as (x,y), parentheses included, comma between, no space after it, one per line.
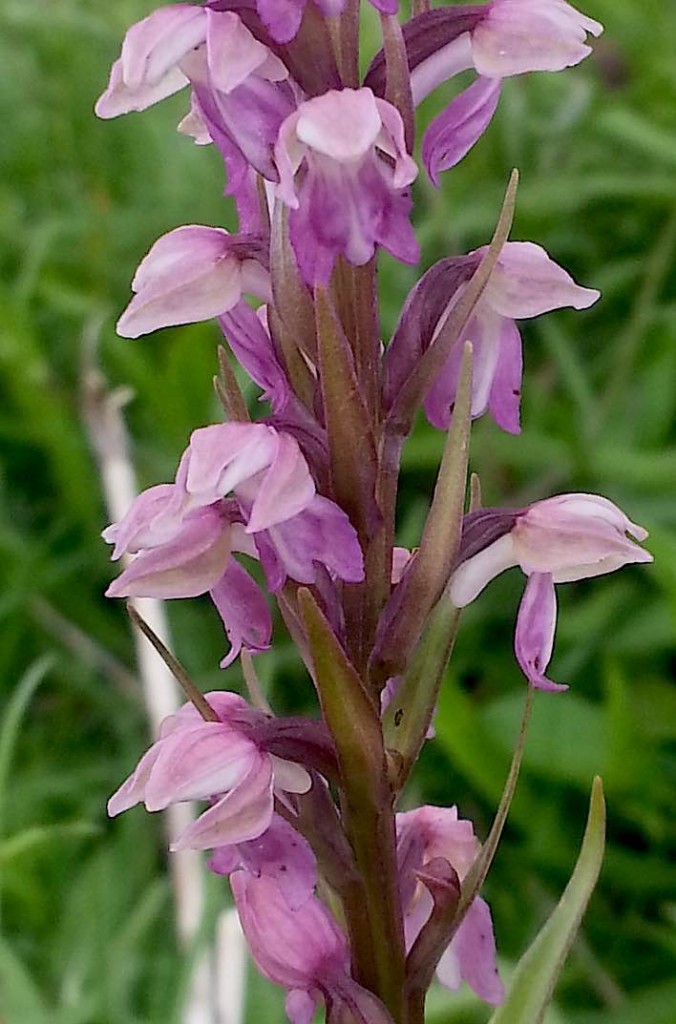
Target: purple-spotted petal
(504,399)
(472,956)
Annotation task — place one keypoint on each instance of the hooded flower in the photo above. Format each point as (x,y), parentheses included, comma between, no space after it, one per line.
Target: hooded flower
(218,761)
(240,92)
(424,836)
(525,283)
(193,273)
(343,166)
(182,535)
(558,540)
(497,40)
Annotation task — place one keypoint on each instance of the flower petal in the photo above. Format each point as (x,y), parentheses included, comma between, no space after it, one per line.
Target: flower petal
(243,814)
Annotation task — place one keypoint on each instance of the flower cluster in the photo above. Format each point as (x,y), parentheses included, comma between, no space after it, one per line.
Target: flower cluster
(343,901)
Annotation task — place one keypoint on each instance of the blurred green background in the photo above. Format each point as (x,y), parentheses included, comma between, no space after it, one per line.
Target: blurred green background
(85,905)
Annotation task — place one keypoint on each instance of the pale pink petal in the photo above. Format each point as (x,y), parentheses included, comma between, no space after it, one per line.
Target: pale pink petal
(147,523)
(285,489)
(526,283)
(474,946)
(535,629)
(223,456)
(186,566)
(342,125)
(132,790)
(198,763)
(243,814)
(470,578)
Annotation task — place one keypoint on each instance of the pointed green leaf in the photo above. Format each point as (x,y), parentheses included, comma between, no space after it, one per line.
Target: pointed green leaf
(430,568)
(538,970)
(410,712)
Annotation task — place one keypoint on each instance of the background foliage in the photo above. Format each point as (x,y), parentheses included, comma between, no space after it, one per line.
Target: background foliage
(86,918)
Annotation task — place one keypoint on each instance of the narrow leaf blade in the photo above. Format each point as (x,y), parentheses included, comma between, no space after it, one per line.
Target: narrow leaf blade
(538,970)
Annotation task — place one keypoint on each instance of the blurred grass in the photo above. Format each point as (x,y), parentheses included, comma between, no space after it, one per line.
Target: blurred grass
(86,916)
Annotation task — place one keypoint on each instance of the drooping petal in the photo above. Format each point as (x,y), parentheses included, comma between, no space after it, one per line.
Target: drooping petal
(253,348)
(295,948)
(504,399)
(321,533)
(535,629)
(452,133)
(241,815)
(472,956)
(243,611)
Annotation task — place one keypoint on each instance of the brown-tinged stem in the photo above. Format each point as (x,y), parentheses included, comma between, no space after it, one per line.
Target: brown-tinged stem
(173,664)
(348,57)
(228,390)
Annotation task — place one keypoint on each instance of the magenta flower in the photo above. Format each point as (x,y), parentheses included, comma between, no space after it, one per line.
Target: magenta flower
(559,540)
(524,283)
(423,836)
(303,949)
(158,56)
(183,534)
(217,761)
(343,166)
(193,273)
(497,40)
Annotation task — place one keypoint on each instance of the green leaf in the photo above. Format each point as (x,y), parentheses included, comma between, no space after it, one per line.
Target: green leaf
(538,970)
(20,998)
